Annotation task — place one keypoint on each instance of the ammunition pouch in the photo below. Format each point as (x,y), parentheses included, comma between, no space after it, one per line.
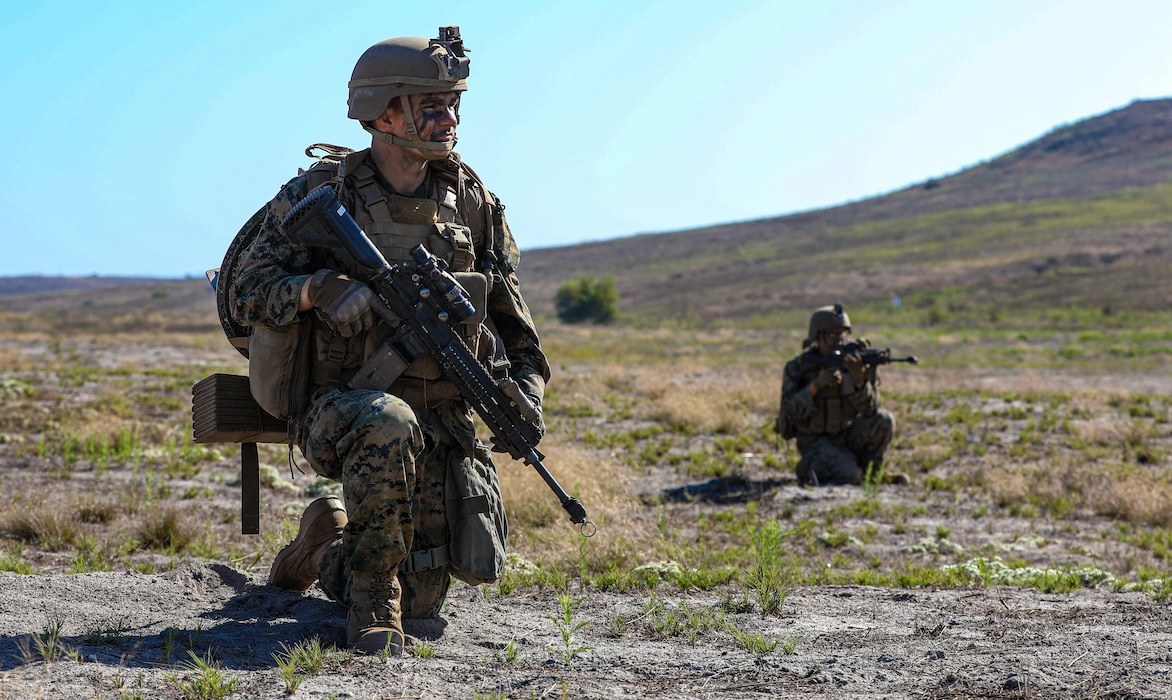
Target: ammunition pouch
(476,517)
(279,368)
(421,382)
(832,414)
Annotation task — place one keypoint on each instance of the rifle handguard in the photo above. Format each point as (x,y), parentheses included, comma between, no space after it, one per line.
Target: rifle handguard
(320,220)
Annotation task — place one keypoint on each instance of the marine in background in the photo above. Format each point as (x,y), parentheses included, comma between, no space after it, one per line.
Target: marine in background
(830,407)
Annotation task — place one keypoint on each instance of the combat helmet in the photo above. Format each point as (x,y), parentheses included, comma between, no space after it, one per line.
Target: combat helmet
(825,318)
(407,66)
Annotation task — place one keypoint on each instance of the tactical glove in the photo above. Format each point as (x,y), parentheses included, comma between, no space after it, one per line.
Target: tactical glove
(533,387)
(829,376)
(858,370)
(345,302)
(538,424)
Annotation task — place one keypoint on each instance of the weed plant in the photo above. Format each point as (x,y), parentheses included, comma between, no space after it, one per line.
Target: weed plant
(768,576)
(111,631)
(202,679)
(754,643)
(680,619)
(568,628)
(47,645)
(303,659)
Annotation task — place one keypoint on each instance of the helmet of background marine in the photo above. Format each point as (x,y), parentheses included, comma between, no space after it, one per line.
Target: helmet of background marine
(407,66)
(826,318)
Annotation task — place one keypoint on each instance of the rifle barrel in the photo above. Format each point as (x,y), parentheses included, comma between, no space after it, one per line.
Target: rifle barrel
(571,505)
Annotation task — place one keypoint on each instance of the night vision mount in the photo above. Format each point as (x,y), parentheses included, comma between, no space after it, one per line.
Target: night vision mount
(452,62)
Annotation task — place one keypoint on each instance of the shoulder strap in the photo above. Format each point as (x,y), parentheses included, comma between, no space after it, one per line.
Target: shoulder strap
(363,179)
(493,217)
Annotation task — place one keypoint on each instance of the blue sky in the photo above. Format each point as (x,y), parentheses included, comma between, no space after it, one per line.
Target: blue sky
(139,136)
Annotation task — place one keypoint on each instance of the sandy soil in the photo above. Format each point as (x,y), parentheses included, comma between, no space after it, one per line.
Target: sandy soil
(851,642)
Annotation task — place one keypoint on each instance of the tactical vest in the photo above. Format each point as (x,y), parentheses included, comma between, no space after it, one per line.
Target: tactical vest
(833,411)
(396,224)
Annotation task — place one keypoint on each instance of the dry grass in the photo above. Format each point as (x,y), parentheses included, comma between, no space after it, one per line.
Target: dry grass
(537,523)
(92,511)
(663,436)
(695,399)
(45,527)
(11,359)
(167,529)
(1134,495)
(1126,493)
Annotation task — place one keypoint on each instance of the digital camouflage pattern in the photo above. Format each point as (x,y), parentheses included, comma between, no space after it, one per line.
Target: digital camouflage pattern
(424,591)
(370,441)
(390,455)
(844,458)
(395,494)
(840,430)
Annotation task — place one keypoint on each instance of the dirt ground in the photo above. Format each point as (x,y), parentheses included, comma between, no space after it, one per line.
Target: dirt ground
(853,642)
(126,632)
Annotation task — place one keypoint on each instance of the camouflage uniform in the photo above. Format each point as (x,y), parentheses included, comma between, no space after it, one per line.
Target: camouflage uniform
(390,449)
(840,430)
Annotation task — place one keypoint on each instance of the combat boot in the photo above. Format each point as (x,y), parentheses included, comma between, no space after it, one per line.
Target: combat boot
(375,620)
(295,568)
(896,478)
(876,467)
(805,475)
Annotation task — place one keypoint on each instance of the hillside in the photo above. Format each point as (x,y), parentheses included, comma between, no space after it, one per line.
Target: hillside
(1079,216)
(33,284)
(131,305)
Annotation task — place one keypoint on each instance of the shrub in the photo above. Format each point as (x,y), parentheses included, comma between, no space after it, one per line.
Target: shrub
(585,299)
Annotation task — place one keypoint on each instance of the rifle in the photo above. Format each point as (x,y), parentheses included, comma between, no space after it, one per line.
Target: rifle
(871,357)
(425,298)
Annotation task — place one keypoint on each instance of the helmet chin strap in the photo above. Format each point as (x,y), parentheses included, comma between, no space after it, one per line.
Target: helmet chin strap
(432,150)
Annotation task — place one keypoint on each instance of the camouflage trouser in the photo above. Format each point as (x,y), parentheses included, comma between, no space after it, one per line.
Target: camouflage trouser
(843,458)
(393,488)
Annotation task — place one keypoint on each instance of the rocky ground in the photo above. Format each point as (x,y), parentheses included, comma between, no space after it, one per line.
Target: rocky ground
(850,642)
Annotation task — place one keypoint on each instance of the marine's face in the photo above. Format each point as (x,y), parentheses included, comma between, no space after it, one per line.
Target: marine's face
(436,115)
(830,338)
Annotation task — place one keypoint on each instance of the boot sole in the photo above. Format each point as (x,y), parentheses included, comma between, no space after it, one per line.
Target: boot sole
(376,642)
(317,509)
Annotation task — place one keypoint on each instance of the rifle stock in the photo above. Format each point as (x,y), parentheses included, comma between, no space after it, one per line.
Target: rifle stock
(424,298)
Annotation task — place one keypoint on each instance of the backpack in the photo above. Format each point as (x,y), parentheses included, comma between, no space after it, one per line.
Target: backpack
(328,167)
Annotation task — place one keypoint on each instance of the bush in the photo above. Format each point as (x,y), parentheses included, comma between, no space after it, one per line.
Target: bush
(585,299)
